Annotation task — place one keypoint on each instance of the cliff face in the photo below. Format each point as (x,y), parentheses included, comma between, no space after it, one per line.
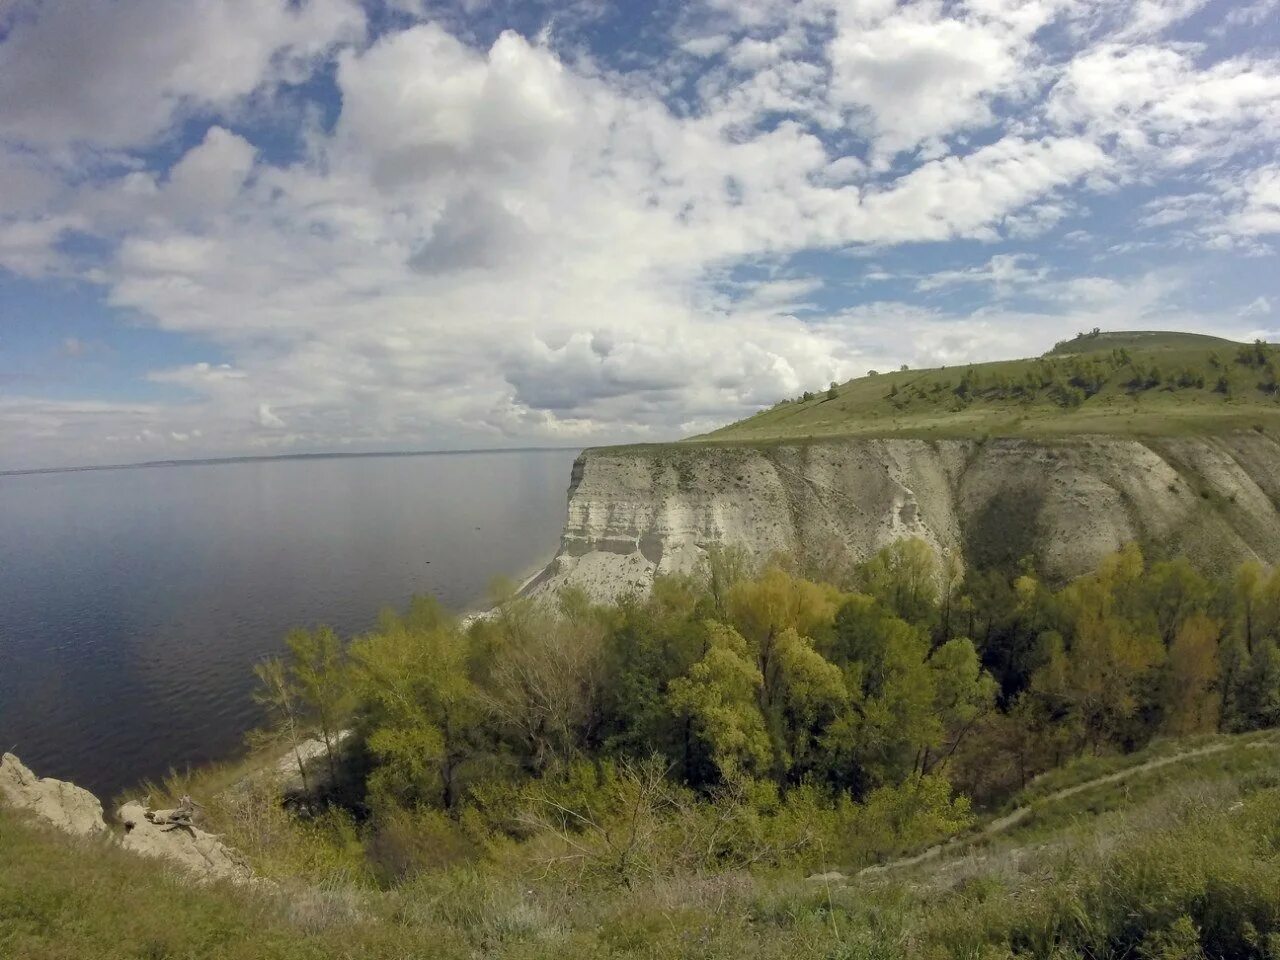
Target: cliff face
(637,512)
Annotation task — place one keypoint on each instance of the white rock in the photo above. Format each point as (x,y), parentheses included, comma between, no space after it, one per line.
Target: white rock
(62,804)
(634,513)
(201,854)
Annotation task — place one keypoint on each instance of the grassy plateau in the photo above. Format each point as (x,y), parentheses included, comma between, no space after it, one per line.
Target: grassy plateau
(1145,383)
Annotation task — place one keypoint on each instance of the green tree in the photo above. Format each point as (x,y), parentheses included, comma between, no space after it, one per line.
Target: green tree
(1258,698)
(319,669)
(804,694)
(720,695)
(651,643)
(904,577)
(278,694)
(963,694)
(891,721)
(421,709)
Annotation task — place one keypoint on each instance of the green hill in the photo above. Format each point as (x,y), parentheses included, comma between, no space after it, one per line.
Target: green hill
(1138,383)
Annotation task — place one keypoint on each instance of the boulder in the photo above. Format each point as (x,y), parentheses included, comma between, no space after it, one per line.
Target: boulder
(62,804)
(169,835)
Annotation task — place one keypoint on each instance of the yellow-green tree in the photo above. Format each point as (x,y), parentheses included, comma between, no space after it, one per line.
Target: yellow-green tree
(904,577)
(1099,674)
(720,695)
(421,708)
(279,695)
(1192,700)
(318,666)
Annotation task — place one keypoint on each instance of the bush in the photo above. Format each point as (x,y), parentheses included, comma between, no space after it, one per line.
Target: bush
(404,843)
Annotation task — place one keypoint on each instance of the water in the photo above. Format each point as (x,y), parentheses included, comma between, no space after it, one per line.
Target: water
(133,603)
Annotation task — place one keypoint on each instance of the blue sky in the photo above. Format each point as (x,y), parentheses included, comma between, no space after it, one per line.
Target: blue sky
(270,226)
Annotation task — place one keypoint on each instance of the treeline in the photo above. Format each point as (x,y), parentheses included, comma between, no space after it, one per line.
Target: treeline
(1070,381)
(766,714)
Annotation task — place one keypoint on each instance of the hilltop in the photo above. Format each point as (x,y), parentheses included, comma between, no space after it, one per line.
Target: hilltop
(1125,383)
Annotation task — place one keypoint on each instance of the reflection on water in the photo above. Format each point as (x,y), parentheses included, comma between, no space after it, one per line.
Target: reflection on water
(134,602)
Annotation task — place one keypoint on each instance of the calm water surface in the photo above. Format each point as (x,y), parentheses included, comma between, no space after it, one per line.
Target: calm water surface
(134,602)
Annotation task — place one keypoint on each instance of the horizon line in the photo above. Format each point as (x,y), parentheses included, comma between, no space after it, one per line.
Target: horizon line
(250,458)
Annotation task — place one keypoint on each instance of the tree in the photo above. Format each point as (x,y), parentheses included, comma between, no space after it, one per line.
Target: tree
(650,643)
(891,719)
(762,608)
(1174,591)
(720,695)
(1192,700)
(421,709)
(319,670)
(279,695)
(804,694)
(832,392)
(544,676)
(1098,677)
(963,693)
(726,567)
(904,577)
(1258,699)
(1249,581)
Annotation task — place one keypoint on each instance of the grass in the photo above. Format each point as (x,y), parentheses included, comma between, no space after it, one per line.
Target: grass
(1182,863)
(1084,386)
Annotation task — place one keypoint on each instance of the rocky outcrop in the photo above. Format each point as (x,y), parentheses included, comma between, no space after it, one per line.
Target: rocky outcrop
(62,804)
(639,511)
(164,835)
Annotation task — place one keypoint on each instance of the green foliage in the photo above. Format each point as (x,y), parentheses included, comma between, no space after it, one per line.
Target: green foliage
(318,670)
(720,695)
(1137,383)
(748,721)
(419,707)
(904,577)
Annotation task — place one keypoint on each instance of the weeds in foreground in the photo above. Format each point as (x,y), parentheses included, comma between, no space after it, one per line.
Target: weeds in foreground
(1192,870)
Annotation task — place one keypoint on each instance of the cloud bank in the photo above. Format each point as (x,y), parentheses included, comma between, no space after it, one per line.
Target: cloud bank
(412,225)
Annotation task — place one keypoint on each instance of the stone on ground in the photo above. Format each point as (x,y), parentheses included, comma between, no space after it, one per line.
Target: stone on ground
(62,804)
(151,834)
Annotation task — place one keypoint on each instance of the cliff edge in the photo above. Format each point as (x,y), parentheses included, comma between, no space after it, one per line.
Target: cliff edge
(635,512)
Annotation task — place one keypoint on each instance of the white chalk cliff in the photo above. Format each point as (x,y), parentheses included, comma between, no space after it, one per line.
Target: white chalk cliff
(635,512)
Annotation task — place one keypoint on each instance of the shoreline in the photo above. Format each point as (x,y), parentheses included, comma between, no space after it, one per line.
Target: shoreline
(477,611)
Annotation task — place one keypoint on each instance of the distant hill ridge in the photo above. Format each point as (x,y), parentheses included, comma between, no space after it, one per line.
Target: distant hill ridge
(1127,383)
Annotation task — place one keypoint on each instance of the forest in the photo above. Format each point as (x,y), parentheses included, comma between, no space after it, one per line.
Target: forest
(751,715)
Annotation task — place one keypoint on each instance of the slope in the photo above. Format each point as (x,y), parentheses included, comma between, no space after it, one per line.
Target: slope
(1177,859)
(1133,383)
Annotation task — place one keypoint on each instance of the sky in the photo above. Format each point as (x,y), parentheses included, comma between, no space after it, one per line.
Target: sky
(257,227)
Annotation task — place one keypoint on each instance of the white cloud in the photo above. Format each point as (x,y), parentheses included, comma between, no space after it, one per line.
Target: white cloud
(1154,103)
(1003,272)
(1258,307)
(514,244)
(116,74)
(919,74)
(1259,209)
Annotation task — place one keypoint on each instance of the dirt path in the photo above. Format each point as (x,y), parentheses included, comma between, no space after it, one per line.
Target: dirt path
(1014,817)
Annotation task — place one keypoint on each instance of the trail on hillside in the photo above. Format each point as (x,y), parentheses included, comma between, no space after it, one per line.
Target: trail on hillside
(1016,816)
